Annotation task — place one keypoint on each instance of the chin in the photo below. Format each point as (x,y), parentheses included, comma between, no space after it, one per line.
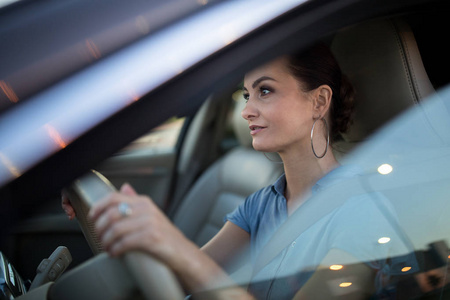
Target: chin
(263,147)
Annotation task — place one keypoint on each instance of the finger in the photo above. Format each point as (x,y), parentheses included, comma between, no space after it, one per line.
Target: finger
(139,207)
(64,201)
(126,194)
(135,240)
(67,207)
(127,189)
(109,217)
(70,212)
(120,229)
(104,204)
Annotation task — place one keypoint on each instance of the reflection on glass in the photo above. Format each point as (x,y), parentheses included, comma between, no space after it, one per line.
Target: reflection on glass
(406,269)
(228,33)
(175,64)
(385,169)
(134,96)
(345,284)
(55,136)
(8,91)
(336,267)
(142,25)
(384,240)
(9,165)
(161,139)
(93,49)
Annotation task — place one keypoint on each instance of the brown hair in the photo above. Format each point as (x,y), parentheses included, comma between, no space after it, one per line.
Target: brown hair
(316,66)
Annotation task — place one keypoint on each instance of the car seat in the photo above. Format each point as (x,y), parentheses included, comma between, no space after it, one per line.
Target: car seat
(383,62)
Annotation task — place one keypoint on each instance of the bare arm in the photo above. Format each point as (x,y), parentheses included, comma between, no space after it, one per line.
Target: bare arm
(227,244)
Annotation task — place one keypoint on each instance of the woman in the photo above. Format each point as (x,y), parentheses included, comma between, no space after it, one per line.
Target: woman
(295,106)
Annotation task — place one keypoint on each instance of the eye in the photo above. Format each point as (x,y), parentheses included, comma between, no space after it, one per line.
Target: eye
(246,97)
(264,91)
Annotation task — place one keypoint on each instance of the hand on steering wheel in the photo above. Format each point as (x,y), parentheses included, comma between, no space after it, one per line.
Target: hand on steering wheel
(127,221)
(153,278)
(133,229)
(67,207)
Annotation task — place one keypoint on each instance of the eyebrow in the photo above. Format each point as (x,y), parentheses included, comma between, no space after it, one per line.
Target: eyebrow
(259,80)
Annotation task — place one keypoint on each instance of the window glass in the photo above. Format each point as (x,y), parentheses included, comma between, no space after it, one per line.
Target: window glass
(160,139)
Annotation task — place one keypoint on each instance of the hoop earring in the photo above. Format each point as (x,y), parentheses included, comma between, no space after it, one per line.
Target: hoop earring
(328,138)
(274,161)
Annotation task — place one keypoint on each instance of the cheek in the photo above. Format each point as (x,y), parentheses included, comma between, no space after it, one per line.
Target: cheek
(298,114)
(296,123)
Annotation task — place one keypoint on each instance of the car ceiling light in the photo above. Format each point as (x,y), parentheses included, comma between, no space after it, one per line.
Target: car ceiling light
(385,169)
(384,240)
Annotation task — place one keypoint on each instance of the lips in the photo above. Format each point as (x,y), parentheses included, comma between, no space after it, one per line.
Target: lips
(254,129)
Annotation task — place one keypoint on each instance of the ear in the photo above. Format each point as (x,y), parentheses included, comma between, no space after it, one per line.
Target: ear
(322,100)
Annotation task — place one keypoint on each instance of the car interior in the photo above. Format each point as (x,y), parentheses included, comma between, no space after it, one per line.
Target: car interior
(213,168)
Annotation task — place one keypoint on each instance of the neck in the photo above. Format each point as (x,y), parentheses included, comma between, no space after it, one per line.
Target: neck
(302,171)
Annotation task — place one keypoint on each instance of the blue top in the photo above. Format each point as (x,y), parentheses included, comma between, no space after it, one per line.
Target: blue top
(264,211)
(355,227)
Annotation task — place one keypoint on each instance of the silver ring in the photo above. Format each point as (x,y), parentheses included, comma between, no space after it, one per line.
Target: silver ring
(124,209)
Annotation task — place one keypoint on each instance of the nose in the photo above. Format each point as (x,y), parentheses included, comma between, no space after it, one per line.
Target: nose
(250,111)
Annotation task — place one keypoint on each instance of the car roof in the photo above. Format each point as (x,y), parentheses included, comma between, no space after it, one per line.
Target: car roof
(78,103)
(44,41)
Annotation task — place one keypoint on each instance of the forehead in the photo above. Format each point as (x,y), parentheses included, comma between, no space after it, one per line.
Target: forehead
(276,69)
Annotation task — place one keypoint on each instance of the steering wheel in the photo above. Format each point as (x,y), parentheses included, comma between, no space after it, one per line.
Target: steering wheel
(153,279)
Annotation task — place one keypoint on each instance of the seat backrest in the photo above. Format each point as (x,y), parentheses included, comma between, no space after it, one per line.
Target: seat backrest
(225,185)
(383,62)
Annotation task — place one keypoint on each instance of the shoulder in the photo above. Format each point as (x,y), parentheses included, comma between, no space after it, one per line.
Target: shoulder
(265,195)
(255,206)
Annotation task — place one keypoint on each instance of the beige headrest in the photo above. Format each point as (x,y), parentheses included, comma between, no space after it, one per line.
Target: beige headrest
(382,60)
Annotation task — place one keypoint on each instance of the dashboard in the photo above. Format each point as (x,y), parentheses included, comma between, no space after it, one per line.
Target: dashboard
(11,284)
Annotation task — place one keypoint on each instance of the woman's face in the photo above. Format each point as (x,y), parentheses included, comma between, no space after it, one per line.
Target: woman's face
(279,113)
